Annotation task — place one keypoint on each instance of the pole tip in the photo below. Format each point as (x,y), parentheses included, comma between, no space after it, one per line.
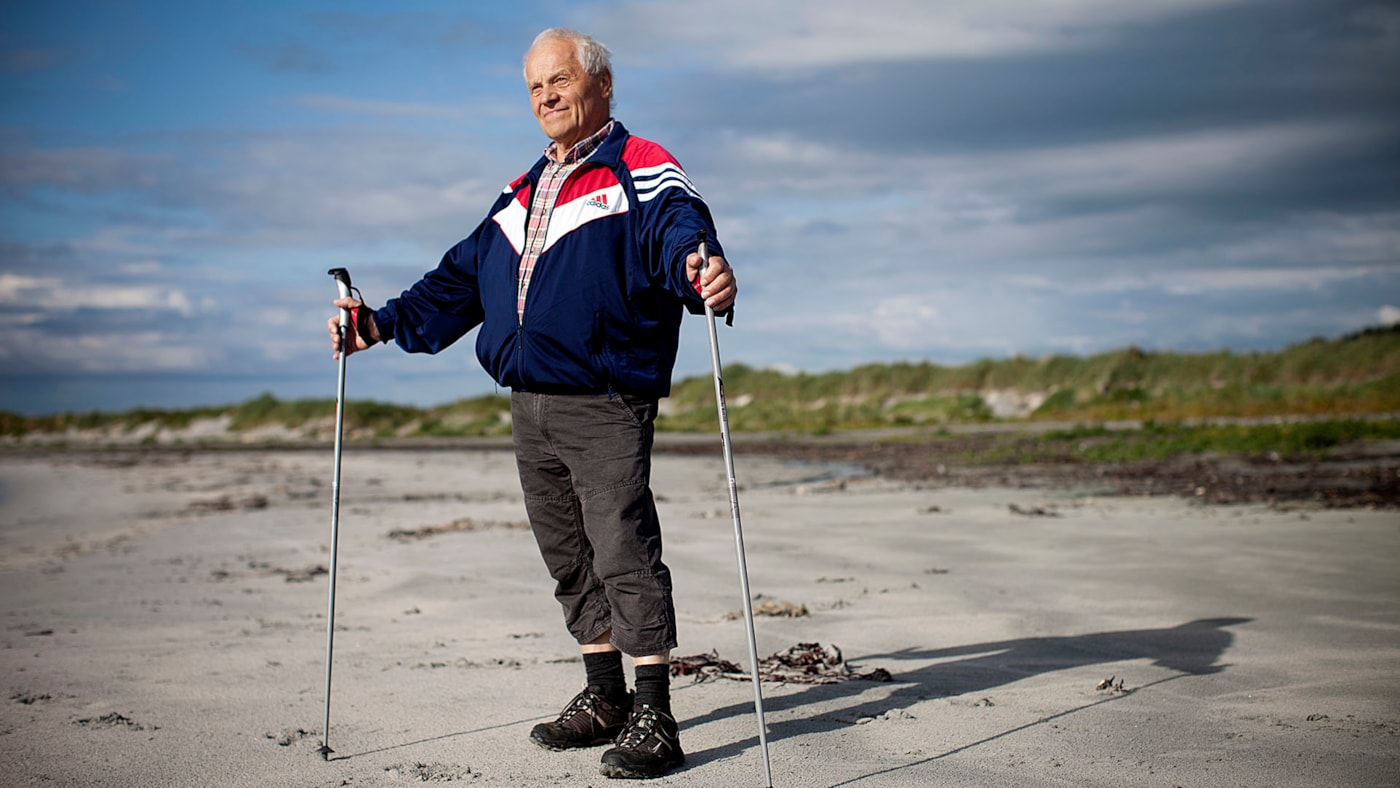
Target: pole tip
(325,752)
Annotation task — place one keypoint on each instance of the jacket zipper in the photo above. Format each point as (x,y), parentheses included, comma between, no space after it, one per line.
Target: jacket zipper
(519,314)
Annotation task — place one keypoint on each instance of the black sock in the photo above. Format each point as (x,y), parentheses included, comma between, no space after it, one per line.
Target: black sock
(605,672)
(654,686)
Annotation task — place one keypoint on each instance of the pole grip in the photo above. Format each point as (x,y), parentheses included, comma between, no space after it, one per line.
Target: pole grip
(703,249)
(342,284)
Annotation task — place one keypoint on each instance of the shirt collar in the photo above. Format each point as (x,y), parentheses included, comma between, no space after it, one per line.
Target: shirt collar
(584,148)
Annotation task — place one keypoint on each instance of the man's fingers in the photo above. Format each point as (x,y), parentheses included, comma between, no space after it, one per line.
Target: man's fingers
(333,326)
(714,278)
(717,275)
(706,270)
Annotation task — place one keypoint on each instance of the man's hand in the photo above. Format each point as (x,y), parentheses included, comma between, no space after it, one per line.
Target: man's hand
(356,343)
(717,284)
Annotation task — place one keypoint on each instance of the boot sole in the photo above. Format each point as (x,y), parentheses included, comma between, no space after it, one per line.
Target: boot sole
(626,773)
(563,747)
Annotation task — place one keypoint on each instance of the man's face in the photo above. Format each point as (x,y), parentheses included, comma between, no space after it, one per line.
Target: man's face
(569,103)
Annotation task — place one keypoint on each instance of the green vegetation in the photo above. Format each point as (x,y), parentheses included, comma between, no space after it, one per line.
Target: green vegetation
(480,416)
(14,424)
(1356,375)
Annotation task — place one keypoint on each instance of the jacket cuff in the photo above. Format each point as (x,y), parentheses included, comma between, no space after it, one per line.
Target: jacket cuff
(386,319)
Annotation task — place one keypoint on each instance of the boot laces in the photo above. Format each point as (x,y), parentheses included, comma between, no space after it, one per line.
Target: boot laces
(639,728)
(583,704)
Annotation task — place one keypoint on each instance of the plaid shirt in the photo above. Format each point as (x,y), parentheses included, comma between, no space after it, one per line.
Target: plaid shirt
(542,206)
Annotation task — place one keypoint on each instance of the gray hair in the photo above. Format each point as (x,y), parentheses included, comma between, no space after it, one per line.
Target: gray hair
(592,55)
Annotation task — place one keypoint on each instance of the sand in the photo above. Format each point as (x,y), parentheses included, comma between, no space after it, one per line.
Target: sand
(164,624)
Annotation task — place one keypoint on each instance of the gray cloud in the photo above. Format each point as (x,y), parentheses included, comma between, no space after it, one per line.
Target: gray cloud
(794,35)
(1237,64)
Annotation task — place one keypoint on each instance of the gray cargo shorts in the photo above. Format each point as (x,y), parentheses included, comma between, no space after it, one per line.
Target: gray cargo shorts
(585,468)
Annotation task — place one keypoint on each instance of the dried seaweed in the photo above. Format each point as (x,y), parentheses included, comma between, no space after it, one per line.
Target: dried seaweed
(783,609)
(804,663)
(461,524)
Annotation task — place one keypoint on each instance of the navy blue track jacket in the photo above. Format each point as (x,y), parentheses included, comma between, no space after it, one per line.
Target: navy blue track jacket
(604,307)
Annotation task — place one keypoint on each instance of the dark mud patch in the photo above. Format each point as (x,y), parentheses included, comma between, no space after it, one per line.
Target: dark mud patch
(113,720)
(227,503)
(290,736)
(429,772)
(1355,475)
(302,575)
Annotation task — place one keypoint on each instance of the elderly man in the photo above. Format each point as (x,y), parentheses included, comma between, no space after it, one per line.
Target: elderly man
(579,277)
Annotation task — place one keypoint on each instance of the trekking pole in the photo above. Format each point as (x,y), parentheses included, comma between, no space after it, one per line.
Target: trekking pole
(738,528)
(342,282)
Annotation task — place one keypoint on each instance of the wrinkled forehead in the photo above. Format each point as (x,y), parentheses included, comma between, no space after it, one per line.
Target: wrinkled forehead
(551,57)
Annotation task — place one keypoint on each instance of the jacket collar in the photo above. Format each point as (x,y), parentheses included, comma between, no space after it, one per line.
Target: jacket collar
(608,154)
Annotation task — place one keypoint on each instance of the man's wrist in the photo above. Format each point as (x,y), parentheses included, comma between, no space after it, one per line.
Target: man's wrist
(362,318)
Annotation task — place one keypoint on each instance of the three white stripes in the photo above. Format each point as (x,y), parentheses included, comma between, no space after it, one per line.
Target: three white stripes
(652,181)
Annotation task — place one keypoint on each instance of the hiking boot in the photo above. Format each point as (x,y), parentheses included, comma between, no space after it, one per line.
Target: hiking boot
(588,720)
(648,747)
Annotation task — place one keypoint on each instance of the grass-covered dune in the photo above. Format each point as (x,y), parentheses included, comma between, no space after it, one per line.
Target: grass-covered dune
(1352,376)
(1357,374)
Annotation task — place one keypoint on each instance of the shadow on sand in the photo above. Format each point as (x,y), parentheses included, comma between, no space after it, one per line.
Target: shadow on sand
(1192,649)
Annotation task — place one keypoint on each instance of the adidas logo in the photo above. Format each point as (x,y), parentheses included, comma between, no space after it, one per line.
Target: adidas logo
(597,201)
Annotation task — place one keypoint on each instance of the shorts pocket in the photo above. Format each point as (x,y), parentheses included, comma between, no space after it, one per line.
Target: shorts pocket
(641,409)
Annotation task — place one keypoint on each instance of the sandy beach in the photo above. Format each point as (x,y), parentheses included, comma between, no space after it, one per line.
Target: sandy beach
(165,625)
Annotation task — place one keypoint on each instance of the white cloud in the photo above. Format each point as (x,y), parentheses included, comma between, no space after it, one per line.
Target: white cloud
(53,294)
(905,321)
(13,286)
(142,351)
(1215,280)
(1389,315)
(797,34)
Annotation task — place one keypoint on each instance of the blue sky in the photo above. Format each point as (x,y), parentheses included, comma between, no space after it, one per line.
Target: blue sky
(893,179)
